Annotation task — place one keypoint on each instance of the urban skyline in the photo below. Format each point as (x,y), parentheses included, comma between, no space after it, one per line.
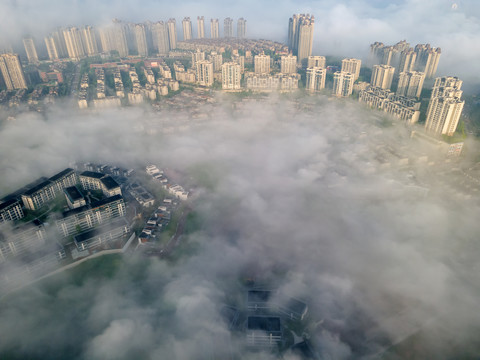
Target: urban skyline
(240,197)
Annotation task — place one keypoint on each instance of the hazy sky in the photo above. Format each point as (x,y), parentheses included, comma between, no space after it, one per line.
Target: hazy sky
(297,198)
(343,28)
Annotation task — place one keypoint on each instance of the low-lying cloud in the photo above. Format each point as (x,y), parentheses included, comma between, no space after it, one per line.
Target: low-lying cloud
(293,195)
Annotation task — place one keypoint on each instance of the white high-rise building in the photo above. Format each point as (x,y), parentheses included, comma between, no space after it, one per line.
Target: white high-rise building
(343,83)
(160,37)
(214,29)
(197,56)
(407,61)
(141,40)
(300,35)
(187,28)
(51,48)
(382,76)
(316,61)
(73,40)
(200,27)
(445,107)
(262,64)
(30,49)
(315,78)
(241,28)
(352,66)
(204,73)
(228,27)
(231,76)
(216,59)
(410,84)
(172,33)
(89,41)
(288,64)
(12,71)
(427,59)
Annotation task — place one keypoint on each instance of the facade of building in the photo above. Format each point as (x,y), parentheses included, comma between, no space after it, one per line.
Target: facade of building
(382,76)
(268,83)
(410,84)
(316,61)
(352,66)
(74,197)
(187,28)
(264,331)
(160,37)
(46,191)
(197,56)
(445,106)
(231,76)
(408,58)
(86,217)
(240,60)
(11,210)
(141,40)
(51,48)
(427,59)
(300,35)
(200,27)
(315,78)
(30,49)
(89,40)
(228,27)
(401,107)
(101,235)
(214,29)
(172,33)
(73,40)
(12,71)
(262,64)
(241,28)
(204,72)
(25,239)
(343,83)
(288,64)
(217,60)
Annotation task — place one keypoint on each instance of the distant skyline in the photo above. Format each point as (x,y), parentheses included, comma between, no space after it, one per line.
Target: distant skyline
(345,28)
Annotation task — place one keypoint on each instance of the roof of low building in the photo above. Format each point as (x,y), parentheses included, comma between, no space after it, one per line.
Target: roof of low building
(92,174)
(109,182)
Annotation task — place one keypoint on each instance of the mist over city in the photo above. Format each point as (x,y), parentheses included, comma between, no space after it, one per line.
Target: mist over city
(286,186)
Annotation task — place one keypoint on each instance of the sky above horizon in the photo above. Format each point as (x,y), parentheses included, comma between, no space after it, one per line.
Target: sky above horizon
(342,28)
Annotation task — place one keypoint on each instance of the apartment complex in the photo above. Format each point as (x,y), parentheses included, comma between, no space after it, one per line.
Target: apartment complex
(46,191)
(343,83)
(300,35)
(231,76)
(315,78)
(12,71)
(352,66)
(401,107)
(445,106)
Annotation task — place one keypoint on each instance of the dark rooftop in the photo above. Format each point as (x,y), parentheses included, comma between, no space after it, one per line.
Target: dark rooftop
(61,174)
(7,203)
(37,188)
(92,174)
(264,323)
(258,295)
(73,193)
(109,182)
(105,201)
(296,305)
